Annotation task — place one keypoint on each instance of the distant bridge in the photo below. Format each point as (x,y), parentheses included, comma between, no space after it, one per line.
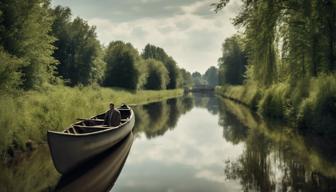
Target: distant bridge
(200,89)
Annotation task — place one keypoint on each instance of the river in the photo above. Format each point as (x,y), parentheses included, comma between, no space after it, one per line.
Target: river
(193,143)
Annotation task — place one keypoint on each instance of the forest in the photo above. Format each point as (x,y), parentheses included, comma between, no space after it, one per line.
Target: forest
(41,46)
(282,62)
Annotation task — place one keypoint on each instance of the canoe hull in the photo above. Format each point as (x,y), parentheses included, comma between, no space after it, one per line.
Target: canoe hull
(101,173)
(69,151)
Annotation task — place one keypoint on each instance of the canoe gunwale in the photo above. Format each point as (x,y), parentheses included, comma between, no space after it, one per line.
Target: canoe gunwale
(95,132)
(65,160)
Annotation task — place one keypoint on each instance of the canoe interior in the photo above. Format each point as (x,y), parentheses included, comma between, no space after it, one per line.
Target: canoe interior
(96,123)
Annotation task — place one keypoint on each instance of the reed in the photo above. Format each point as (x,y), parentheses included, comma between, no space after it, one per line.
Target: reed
(27,116)
(308,104)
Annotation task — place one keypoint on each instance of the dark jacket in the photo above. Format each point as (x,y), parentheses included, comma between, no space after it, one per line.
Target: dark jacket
(112,118)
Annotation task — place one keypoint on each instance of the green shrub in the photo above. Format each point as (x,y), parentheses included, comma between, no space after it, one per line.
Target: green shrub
(248,94)
(274,101)
(318,111)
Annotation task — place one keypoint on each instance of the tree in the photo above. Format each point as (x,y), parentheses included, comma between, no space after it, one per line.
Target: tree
(157,77)
(25,34)
(288,39)
(153,52)
(197,79)
(186,78)
(78,51)
(124,67)
(10,77)
(211,76)
(232,64)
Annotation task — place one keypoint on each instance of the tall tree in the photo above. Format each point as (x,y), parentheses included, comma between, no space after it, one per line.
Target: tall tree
(10,76)
(296,37)
(78,51)
(125,67)
(157,77)
(198,79)
(25,34)
(186,78)
(232,64)
(153,52)
(211,76)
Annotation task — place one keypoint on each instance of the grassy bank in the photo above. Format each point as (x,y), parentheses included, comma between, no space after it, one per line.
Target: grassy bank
(27,116)
(309,104)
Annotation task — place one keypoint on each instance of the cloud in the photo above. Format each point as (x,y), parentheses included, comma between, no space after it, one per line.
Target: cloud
(188,30)
(194,153)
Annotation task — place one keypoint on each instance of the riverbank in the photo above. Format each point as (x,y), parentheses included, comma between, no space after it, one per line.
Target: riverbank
(309,105)
(26,116)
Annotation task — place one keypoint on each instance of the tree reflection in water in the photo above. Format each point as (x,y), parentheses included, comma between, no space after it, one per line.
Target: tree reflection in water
(275,158)
(156,118)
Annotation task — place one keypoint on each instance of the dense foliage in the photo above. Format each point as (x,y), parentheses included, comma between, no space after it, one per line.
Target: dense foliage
(153,52)
(41,45)
(291,59)
(288,40)
(186,78)
(197,79)
(25,43)
(157,75)
(123,66)
(78,51)
(209,78)
(232,64)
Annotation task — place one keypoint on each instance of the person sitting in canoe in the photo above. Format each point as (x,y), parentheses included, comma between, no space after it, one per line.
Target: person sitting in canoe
(112,117)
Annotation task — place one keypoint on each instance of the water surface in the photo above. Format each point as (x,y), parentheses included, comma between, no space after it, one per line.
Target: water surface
(194,143)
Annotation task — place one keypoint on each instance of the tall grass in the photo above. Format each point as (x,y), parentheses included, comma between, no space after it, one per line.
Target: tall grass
(28,116)
(308,104)
(248,94)
(274,101)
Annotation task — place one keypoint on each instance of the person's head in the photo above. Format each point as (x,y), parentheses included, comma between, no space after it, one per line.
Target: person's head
(111,106)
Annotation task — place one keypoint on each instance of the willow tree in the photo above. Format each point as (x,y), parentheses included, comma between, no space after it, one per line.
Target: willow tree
(309,37)
(299,34)
(259,19)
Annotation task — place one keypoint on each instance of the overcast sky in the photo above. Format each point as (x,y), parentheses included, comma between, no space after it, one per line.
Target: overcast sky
(188,30)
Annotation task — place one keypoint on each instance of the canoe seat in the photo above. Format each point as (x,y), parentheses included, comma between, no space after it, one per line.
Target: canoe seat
(72,130)
(88,129)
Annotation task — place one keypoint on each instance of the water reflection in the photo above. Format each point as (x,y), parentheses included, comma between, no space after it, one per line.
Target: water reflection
(32,172)
(100,173)
(194,143)
(188,156)
(156,118)
(275,158)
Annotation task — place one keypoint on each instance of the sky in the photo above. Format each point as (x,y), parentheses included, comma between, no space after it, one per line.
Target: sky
(188,30)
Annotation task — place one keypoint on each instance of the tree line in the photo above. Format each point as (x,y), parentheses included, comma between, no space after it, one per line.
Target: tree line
(209,78)
(286,50)
(41,45)
(281,41)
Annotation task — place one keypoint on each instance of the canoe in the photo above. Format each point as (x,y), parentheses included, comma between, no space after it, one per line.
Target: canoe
(100,173)
(86,139)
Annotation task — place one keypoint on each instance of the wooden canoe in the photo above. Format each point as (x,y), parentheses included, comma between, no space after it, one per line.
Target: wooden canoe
(100,173)
(86,139)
